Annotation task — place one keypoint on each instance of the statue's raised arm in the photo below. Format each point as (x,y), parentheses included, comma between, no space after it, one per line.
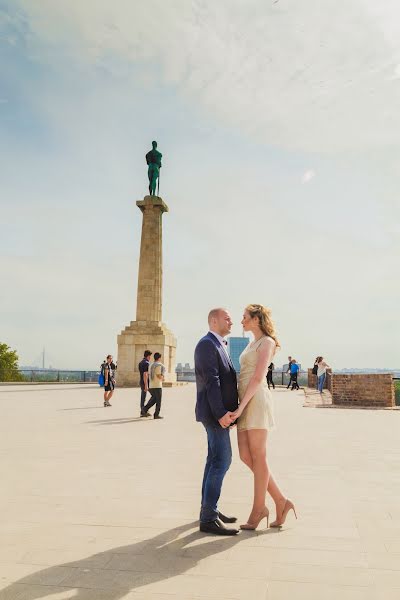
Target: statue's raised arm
(153,159)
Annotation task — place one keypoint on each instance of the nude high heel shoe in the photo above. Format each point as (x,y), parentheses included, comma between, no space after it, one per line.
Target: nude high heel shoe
(286,509)
(251,526)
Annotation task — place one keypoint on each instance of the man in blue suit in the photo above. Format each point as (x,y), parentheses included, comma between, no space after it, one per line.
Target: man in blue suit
(217,399)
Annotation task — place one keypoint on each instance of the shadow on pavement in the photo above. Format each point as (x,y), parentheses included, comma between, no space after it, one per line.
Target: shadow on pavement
(83,407)
(119,421)
(114,573)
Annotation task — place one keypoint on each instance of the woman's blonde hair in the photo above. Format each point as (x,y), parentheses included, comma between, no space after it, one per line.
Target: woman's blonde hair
(265,322)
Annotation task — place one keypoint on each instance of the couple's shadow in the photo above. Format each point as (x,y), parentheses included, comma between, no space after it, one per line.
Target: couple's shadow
(115,572)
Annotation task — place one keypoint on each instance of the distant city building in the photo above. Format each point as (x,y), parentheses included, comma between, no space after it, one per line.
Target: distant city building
(185,373)
(236,345)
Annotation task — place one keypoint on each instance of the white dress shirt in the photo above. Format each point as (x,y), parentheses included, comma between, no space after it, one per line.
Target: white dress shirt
(223,341)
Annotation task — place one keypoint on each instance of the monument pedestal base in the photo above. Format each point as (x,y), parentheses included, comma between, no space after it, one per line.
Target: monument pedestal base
(134,340)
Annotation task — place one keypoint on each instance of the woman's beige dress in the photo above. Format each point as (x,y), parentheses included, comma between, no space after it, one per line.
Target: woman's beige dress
(259,413)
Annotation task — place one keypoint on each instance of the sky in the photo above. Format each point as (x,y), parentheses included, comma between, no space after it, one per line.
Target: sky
(279,127)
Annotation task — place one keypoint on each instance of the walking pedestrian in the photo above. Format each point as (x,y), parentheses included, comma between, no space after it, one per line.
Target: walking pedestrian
(290,360)
(269,375)
(109,380)
(294,371)
(315,371)
(321,373)
(156,377)
(143,367)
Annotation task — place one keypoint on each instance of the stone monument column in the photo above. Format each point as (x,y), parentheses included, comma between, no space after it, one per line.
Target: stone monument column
(147,332)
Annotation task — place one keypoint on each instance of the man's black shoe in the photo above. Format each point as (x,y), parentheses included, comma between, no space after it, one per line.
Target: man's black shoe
(217,528)
(144,414)
(226,519)
(158,417)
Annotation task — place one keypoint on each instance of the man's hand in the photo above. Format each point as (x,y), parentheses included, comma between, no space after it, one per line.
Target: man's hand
(226,420)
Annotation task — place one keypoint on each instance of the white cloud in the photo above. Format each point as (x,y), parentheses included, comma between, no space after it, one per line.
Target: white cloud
(307,176)
(291,73)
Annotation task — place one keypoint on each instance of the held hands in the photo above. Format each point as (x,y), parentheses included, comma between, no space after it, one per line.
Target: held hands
(235,415)
(227,419)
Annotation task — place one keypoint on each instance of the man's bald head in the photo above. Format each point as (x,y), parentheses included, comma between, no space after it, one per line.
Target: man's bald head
(219,321)
(214,314)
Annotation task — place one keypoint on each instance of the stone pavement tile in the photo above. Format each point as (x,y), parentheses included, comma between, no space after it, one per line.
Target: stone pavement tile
(165,563)
(385,593)
(153,583)
(289,590)
(89,506)
(351,533)
(197,548)
(299,556)
(206,587)
(12,553)
(20,591)
(386,579)
(36,575)
(280,540)
(383,560)
(239,569)
(343,576)
(11,572)
(70,558)
(392,546)
(383,530)
(139,595)
(374,545)
(99,579)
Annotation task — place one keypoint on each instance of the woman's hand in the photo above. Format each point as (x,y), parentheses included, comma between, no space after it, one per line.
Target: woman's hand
(235,415)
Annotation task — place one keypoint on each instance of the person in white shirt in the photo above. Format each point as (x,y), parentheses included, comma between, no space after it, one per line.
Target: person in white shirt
(156,377)
(321,372)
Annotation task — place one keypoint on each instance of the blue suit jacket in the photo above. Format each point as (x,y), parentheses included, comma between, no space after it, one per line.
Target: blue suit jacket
(215,380)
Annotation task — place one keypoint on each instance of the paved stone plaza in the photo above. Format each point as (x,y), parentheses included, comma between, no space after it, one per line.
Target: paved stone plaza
(98,504)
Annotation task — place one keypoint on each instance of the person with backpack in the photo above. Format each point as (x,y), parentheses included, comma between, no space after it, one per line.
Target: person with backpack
(294,371)
(269,375)
(108,370)
(156,377)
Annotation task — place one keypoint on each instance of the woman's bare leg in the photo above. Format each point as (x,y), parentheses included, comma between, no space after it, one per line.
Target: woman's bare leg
(244,450)
(257,439)
(246,457)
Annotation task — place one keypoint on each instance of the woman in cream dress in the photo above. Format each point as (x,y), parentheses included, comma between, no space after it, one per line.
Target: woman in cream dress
(256,416)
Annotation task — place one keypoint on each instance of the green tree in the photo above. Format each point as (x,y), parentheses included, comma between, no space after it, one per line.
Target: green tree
(9,364)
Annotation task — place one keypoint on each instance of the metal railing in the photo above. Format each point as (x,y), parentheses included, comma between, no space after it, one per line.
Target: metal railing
(278,377)
(68,376)
(59,376)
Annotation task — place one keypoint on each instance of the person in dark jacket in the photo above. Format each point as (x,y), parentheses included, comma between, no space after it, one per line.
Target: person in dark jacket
(143,367)
(269,375)
(217,399)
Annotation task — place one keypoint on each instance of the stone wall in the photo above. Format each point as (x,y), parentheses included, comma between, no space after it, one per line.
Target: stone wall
(360,389)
